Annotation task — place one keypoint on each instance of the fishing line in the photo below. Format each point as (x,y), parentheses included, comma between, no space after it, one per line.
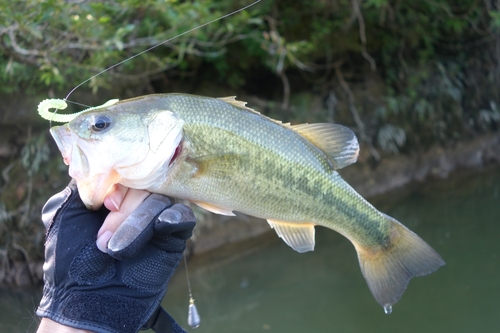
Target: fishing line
(80,104)
(161,43)
(59,104)
(193,316)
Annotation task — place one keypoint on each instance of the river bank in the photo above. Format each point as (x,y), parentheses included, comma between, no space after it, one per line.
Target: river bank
(390,173)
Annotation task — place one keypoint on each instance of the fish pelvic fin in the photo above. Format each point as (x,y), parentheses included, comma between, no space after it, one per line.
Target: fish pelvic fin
(338,142)
(388,271)
(299,237)
(214,209)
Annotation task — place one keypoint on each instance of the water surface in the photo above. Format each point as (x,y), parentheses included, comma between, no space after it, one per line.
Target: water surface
(264,286)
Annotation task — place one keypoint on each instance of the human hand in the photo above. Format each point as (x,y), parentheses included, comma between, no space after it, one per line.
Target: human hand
(119,291)
(121,201)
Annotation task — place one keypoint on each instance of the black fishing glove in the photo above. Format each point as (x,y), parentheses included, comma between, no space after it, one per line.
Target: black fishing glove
(121,291)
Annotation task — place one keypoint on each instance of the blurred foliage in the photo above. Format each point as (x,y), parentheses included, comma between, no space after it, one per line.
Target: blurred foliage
(59,44)
(403,74)
(434,63)
(28,178)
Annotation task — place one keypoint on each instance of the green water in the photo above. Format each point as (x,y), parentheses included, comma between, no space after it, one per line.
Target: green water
(264,286)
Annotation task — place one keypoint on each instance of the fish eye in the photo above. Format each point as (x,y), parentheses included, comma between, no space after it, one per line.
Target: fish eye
(100,123)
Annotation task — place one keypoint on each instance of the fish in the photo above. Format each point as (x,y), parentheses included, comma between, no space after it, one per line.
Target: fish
(226,157)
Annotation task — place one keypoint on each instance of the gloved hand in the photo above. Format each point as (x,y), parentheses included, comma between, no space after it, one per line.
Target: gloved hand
(117,292)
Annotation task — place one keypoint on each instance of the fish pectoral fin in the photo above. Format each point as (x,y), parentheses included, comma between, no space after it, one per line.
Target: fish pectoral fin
(214,209)
(220,166)
(338,142)
(299,237)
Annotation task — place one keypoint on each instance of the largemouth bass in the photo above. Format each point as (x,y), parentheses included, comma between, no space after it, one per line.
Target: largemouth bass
(226,157)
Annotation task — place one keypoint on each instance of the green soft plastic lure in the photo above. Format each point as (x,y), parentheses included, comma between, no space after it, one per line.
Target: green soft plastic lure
(60,104)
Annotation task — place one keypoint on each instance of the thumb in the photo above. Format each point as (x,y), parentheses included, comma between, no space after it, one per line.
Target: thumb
(138,228)
(124,202)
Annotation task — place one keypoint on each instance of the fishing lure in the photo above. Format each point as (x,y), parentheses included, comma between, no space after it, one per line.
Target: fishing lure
(60,104)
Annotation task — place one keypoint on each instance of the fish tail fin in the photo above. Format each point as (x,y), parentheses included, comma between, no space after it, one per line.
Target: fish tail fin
(389,270)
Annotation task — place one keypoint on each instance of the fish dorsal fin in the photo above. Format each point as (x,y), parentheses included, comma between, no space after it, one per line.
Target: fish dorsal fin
(299,237)
(233,101)
(338,142)
(214,209)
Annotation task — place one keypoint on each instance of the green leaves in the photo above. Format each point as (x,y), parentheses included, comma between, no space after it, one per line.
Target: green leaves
(495,18)
(62,43)
(434,61)
(34,153)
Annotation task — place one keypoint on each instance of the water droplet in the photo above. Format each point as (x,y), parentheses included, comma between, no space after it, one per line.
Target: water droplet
(388,309)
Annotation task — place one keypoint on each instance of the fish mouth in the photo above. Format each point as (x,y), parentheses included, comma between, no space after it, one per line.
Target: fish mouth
(62,137)
(92,189)
(96,173)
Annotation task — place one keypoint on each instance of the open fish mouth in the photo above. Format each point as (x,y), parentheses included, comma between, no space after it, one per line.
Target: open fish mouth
(92,188)
(97,164)
(63,138)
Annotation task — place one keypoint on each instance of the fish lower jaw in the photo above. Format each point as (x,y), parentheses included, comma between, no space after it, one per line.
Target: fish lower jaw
(93,190)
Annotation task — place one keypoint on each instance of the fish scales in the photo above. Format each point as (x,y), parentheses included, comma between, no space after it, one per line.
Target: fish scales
(306,185)
(226,157)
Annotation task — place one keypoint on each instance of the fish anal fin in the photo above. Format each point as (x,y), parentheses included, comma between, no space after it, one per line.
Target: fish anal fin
(214,209)
(299,237)
(338,142)
(389,269)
